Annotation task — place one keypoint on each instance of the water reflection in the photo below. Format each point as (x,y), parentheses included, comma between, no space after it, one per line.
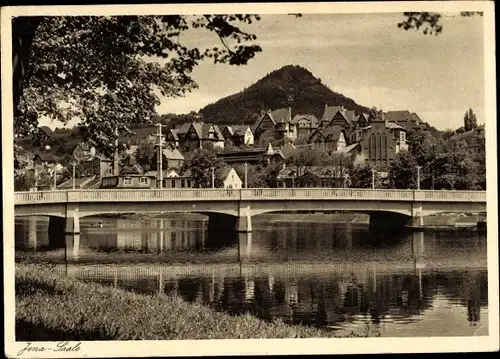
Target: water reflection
(336,301)
(335,275)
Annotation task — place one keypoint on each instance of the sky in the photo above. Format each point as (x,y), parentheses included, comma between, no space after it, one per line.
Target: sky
(363,56)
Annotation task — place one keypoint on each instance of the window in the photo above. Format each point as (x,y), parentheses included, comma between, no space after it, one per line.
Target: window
(183,183)
(127,181)
(188,183)
(402,136)
(173,183)
(144,181)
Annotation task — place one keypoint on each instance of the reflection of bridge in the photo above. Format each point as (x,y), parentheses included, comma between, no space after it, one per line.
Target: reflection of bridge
(233,208)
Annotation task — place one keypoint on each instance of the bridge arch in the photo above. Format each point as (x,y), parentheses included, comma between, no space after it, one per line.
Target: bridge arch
(93,209)
(263,207)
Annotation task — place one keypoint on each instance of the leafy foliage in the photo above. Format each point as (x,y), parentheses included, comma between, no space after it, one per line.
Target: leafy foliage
(146,155)
(362,176)
(304,159)
(200,163)
(470,120)
(403,171)
(429,22)
(103,70)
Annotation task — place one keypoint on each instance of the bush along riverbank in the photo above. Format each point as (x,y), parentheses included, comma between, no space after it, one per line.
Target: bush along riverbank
(50,306)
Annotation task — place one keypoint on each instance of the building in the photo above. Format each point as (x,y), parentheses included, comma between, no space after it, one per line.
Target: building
(174,157)
(172,138)
(279,121)
(228,178)
(405,118)
(331,138)
(337,116)
(41,159)
(83,152)
(133,179)
(306,125)
(381,141)
(200,134)
(239,134)
(264,156)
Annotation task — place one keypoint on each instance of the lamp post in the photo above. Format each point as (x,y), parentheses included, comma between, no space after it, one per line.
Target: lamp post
(246,175)
(418,177)
(213,177)
(36,179)
(55,178)
(74,173)
(116,169)
(160,156)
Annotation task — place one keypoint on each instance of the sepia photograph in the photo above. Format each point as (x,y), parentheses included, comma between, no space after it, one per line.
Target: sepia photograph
(179,175)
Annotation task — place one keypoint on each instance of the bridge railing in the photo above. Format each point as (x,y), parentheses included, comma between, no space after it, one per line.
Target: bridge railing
(327,193)
(458,196)
(217,194)
(154,195)
(41,197)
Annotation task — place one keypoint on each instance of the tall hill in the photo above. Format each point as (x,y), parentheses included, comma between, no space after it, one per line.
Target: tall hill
(291,86)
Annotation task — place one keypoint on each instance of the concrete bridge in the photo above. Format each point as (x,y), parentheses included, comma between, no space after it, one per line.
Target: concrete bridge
(233,208)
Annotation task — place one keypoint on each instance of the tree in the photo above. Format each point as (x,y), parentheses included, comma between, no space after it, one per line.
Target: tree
(470,120)
(361,176)
(146,155)
(200,163)
(303,160)
(98,69)
(429,22)
(403,171)
(256,177)
(23,181)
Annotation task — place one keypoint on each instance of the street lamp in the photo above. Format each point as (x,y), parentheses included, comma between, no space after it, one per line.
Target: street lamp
(246,175)
(418,177)
(55,178)
(74,173)
(213,177)
(160,155)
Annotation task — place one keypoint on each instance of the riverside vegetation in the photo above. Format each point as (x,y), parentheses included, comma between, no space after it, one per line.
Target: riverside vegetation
(89,311)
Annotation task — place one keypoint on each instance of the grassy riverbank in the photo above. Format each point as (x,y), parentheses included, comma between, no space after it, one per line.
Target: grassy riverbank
(89,311)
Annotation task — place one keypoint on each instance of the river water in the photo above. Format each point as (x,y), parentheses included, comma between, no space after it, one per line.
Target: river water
(303,269)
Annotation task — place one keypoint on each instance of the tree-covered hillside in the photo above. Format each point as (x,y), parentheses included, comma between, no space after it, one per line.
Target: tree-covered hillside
(291,86)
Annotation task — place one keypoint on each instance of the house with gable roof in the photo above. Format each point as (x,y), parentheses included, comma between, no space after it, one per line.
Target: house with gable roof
(172,137)
(174,157)
(200,134)
(279,121)
(228,178)
(331,138)
(306,125)
(338,116)
(238,134)
(404,118)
